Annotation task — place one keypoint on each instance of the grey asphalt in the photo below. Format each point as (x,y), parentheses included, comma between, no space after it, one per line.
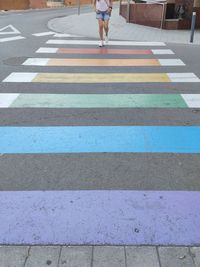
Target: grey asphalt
(129,171)
(105,170)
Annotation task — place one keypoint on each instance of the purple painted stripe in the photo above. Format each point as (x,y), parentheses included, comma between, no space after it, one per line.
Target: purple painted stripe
(100,217)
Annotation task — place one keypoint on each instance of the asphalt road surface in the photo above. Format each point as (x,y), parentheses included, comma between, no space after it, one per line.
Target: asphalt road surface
(75,145)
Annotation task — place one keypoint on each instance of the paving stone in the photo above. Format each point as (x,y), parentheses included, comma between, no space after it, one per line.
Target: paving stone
(109,257)
(195,253)
(40,256)
(76,256)
(175,257)
(13,256)
(141,256)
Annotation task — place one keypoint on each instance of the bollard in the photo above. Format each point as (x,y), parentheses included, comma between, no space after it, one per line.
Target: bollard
(193,27)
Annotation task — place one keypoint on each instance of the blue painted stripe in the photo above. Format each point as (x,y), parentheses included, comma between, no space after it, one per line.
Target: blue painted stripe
(100,217)
(174,139)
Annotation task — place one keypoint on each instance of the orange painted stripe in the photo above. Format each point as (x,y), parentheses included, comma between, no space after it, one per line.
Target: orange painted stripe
(102,62)
(103,51)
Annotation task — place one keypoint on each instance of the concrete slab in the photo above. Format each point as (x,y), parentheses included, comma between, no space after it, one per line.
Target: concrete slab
(43,256)
(76,256)
(195,253)
(109,257)
(175,257)
(13,256)
(142,256)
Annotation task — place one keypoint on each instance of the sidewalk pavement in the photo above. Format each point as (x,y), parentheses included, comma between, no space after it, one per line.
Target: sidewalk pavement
(86,25)
(99,256)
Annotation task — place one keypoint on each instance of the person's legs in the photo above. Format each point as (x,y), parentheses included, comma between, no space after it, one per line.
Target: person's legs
(106,27)
(101,25)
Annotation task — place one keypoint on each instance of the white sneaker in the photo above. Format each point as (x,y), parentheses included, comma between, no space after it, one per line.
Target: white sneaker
(101,43)
(106,40)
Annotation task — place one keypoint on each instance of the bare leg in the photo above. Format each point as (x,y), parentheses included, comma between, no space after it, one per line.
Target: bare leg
(106,27)
(101,29)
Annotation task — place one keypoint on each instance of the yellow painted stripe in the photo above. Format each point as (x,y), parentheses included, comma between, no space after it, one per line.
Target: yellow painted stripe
(101,77)
(102,62)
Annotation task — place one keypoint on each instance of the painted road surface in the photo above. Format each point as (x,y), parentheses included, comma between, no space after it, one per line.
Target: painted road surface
(116,43)
(104,51)
(102,78)
(102,62)
(99,139)
(100,217)
(99,100)
(45,152)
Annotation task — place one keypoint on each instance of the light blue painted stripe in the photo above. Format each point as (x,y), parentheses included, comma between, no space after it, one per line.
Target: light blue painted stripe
(100,217)
(174,139)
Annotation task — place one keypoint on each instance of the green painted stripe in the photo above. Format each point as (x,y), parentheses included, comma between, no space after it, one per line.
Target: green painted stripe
(99,101)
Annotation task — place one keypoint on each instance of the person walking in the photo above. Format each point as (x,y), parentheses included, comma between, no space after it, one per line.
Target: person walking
(103,10)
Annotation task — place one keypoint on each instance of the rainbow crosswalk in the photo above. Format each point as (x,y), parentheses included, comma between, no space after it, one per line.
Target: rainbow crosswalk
(112,216)
(99,100)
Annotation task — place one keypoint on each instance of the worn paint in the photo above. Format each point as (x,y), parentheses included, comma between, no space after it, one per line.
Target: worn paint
(102,77)
(101,62)
(100,218)
(97,139)
(93,101)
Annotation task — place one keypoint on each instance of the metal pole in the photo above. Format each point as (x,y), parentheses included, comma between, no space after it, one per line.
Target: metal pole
(163,14)
(79,7)
(193,27)
(128,12)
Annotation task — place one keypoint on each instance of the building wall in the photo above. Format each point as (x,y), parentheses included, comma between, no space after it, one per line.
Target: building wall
(25,4)
(143,14)
(75,2)
(14,4)
(38,3)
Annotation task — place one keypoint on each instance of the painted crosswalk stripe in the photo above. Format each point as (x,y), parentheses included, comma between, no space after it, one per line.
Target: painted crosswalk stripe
(99,139)
(6,100)
(100,217)
(99,101)
(89,42)
(192,100)
(10,39)
(106,51)
(63,35)
(43,33)
(101,62)
(102,77)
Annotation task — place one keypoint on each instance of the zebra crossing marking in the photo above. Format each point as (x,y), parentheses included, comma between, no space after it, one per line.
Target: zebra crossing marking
(63,35)
(99,139)
(105,51)
(60,210)
(101,62)
(9,39)
(102,77)
(43,34)
(100,217)
(99,101)
(6,100)
(192,100)
(89,42)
